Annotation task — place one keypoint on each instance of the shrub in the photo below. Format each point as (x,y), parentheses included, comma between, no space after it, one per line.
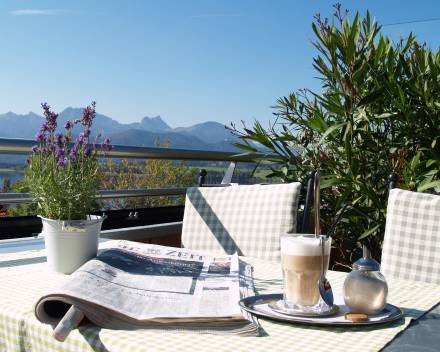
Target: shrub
(378,113)
(147,174)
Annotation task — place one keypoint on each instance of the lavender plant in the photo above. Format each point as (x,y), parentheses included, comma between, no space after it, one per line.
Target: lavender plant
(63,174)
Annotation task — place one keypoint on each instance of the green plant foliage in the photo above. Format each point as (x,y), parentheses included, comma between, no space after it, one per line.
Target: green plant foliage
(148,174)
(378,112)
(62,176)
(21,209)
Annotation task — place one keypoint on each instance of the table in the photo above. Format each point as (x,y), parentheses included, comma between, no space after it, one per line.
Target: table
(24,277)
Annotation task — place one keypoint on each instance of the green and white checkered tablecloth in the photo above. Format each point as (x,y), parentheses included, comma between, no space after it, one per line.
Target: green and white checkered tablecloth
(24,277)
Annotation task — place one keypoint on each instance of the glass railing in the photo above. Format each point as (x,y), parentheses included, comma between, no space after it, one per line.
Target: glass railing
(127,215)
(23,147)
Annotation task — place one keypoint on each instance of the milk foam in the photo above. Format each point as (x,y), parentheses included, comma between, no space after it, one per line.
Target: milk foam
(303,246)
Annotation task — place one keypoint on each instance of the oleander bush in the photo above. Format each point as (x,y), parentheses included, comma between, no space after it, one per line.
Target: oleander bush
(378,112)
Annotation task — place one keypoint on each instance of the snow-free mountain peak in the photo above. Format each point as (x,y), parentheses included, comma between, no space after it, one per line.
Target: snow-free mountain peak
(209,135)
(152,124)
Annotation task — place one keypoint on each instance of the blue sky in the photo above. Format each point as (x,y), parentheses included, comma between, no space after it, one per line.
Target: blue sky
(188,61)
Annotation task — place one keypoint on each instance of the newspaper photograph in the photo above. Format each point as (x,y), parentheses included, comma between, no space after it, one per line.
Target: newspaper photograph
(134,285)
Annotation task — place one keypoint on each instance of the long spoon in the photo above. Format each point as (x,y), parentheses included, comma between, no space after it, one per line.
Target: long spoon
(325,290)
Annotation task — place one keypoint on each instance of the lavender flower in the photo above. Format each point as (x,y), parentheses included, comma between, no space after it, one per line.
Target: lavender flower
(88,114)
(73,153)
(39,137)
(80,139)
(59,152)
(68,125)
(51,117)
(62,162)
(35,149)
(106,146)
(58,138)
(44,127)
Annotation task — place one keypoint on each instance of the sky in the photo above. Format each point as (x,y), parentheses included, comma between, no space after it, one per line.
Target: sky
(189,61)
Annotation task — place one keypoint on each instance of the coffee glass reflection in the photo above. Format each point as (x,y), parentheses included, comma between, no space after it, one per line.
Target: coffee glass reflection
(301,261)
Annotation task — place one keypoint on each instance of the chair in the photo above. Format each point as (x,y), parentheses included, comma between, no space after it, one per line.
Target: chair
(411,247)
(243,219)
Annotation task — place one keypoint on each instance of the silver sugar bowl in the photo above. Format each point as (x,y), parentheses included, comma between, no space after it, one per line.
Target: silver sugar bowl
(365,289)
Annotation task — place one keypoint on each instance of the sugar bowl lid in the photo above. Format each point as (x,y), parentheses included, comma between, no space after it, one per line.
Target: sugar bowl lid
(366,263)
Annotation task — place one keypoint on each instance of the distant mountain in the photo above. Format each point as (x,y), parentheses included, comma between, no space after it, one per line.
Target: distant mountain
(137,137)
(26,126)
(205,136)
(152,124)
(101,123)
(210,132)
(13,125)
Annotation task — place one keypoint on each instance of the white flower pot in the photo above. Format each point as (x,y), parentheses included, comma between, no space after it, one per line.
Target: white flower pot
(69,244)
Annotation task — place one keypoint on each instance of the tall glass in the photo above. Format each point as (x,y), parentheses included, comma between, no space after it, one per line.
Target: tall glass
(301,261)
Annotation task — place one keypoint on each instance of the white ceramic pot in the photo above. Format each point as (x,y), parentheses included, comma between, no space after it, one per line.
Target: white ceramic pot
(70,243)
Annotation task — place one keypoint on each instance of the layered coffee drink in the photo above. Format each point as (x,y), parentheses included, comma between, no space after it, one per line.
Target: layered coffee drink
(301,261)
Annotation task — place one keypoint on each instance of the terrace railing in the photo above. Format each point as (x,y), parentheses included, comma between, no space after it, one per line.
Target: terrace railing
(23,147)
(31,225)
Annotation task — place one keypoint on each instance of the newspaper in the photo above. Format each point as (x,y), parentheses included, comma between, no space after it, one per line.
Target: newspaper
(134,285)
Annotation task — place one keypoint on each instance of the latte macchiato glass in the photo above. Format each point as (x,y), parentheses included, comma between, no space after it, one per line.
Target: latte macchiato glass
(301,260)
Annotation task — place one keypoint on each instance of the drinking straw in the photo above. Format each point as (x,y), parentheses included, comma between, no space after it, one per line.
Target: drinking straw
(69,322)
(317,201)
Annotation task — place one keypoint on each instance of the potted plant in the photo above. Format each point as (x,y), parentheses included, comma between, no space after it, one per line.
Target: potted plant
(63,176)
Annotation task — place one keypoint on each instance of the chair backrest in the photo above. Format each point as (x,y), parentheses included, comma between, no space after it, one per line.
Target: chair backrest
(243,219)
(411,247)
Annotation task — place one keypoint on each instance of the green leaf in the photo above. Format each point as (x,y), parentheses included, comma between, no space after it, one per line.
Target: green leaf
(369,232)
(317,123)
(329,181)
(330,130)
(371,97)
(431,162)
(245,147)
(429,185)
(415,161)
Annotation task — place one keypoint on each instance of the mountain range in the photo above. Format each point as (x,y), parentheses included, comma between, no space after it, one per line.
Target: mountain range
(148,132)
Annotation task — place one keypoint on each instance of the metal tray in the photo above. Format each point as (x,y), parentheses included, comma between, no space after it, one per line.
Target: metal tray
(259,305)
(277,306)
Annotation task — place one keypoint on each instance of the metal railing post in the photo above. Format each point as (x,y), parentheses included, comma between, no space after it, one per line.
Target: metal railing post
(229,173)
(202,177)
(392,179)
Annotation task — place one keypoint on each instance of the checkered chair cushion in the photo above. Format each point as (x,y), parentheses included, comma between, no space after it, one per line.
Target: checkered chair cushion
(243,219)
(411,247)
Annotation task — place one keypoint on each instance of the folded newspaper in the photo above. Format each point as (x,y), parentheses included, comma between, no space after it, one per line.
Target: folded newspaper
(134,285)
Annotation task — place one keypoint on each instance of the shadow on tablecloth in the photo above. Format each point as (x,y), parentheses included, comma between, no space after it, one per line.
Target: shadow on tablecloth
(24,261)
